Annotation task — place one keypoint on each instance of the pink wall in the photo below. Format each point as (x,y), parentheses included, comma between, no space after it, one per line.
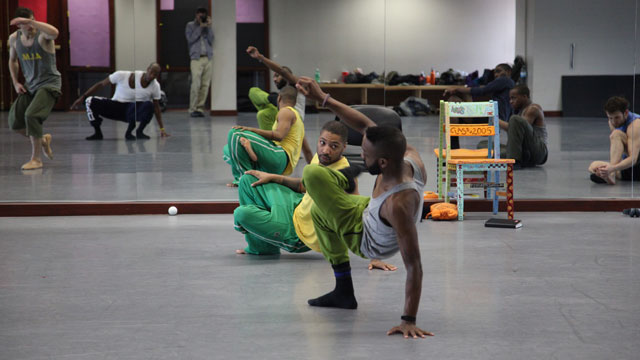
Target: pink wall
(39,8)
(166,5)
(250,11)
(89,42)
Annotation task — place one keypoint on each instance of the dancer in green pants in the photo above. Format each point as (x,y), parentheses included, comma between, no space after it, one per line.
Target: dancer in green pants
(378,227)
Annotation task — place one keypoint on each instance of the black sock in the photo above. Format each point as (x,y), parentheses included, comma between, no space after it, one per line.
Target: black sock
(342,296)
(351,172)
(141,135)
(97,135)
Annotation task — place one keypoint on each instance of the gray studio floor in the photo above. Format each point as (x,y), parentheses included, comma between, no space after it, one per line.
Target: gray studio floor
(565,286)
(189,166)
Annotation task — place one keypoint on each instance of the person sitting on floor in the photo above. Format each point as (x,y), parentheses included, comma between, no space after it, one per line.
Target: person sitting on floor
(624,148)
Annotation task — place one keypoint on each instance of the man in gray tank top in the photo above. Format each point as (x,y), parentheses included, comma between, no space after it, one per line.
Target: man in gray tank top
(31,49)
(527,132)
(379,226)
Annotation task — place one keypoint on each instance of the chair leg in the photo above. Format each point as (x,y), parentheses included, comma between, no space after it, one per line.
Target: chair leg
(510,207)
(494,192)
(460,188)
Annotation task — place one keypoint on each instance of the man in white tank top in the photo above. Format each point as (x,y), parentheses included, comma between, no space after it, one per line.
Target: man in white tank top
(136,99)
(381,225)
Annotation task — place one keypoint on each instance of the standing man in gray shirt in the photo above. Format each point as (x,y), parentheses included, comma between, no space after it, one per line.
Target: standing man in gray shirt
(200,40)
(32,50)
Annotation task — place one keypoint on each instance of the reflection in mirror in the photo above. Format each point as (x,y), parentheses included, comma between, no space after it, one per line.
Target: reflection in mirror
(568,68)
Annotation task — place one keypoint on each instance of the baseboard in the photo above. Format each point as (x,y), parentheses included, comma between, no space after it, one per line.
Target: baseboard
(224,112)
(552,113)
(227,207)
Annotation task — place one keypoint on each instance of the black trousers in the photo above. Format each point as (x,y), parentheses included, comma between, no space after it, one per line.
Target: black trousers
(132,112)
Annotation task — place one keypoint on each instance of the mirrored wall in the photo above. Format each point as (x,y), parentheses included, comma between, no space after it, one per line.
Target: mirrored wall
(381,52)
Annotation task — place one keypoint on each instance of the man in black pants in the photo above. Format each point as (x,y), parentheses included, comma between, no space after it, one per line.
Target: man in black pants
(136,98)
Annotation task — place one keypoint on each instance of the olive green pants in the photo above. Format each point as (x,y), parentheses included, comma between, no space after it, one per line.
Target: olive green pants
(30,111)
(337,216)
(267,112)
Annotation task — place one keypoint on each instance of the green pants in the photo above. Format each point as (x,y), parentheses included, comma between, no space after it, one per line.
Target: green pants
(265,216)
(267,112)
(271,157)
(337,216)
(30,111)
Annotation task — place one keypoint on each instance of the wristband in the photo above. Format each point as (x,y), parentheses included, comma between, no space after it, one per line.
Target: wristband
(407,318)
(326,97)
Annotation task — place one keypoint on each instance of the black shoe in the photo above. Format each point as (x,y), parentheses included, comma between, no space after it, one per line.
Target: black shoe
(141,136)
(96,136)
(129,136)
(597,179)
(197,114)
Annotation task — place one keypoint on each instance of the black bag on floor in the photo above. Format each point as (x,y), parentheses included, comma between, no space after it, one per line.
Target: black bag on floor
(413,106)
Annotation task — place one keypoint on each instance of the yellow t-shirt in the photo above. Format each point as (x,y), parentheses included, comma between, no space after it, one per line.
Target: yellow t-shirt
(292,143)
(302,215)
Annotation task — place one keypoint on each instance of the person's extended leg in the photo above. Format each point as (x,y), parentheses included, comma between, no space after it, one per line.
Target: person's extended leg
(337,218)
(267,112)
(196,79)
(271,158)
(205,81)
(144,114)
(265,216)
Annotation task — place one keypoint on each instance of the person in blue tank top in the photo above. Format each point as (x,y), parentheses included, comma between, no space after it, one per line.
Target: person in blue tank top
(624,148)
(32,50)
(376,227)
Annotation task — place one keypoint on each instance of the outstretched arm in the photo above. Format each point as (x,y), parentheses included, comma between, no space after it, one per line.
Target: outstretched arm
(14,65)
(399,211)
(355,119)
(90,91)
(158,113)
(274,66)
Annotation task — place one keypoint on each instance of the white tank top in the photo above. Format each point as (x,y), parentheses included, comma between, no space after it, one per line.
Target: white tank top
(379,240)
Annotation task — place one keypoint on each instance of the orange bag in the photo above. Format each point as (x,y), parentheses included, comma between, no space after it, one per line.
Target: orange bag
(443,211)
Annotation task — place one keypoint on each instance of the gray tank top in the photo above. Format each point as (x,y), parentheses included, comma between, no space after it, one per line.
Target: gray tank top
(541,132)
(38,66)
(379,240)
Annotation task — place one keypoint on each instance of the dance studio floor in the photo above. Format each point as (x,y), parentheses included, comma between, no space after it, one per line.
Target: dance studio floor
(565,286)
(188,165)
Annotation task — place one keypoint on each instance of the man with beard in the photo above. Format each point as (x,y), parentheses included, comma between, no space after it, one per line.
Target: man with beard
(376,227)
(275,211)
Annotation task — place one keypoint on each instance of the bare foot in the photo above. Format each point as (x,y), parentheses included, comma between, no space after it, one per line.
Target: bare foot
(33,164)
(379,264)
(232,185)
(247,146)
(241,252)
(46,146)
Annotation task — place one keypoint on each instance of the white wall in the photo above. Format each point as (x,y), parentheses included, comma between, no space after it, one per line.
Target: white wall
(135,33)
(407,36)
(223,86)
(603,34)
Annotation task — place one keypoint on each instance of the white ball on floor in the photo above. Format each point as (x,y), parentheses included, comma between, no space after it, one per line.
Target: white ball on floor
(173,210)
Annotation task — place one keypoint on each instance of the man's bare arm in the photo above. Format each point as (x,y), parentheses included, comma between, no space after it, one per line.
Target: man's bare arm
(353,118)
(399,211)
(91,90)
(272,65)
(633,133)
(285,121)
(306,150)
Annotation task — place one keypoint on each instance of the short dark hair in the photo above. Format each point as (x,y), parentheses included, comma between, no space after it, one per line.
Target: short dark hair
(23,12)
(289,94)
(337,128)
(522,89)
(504,66)
(202,10)
(388,141)
(616,103)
